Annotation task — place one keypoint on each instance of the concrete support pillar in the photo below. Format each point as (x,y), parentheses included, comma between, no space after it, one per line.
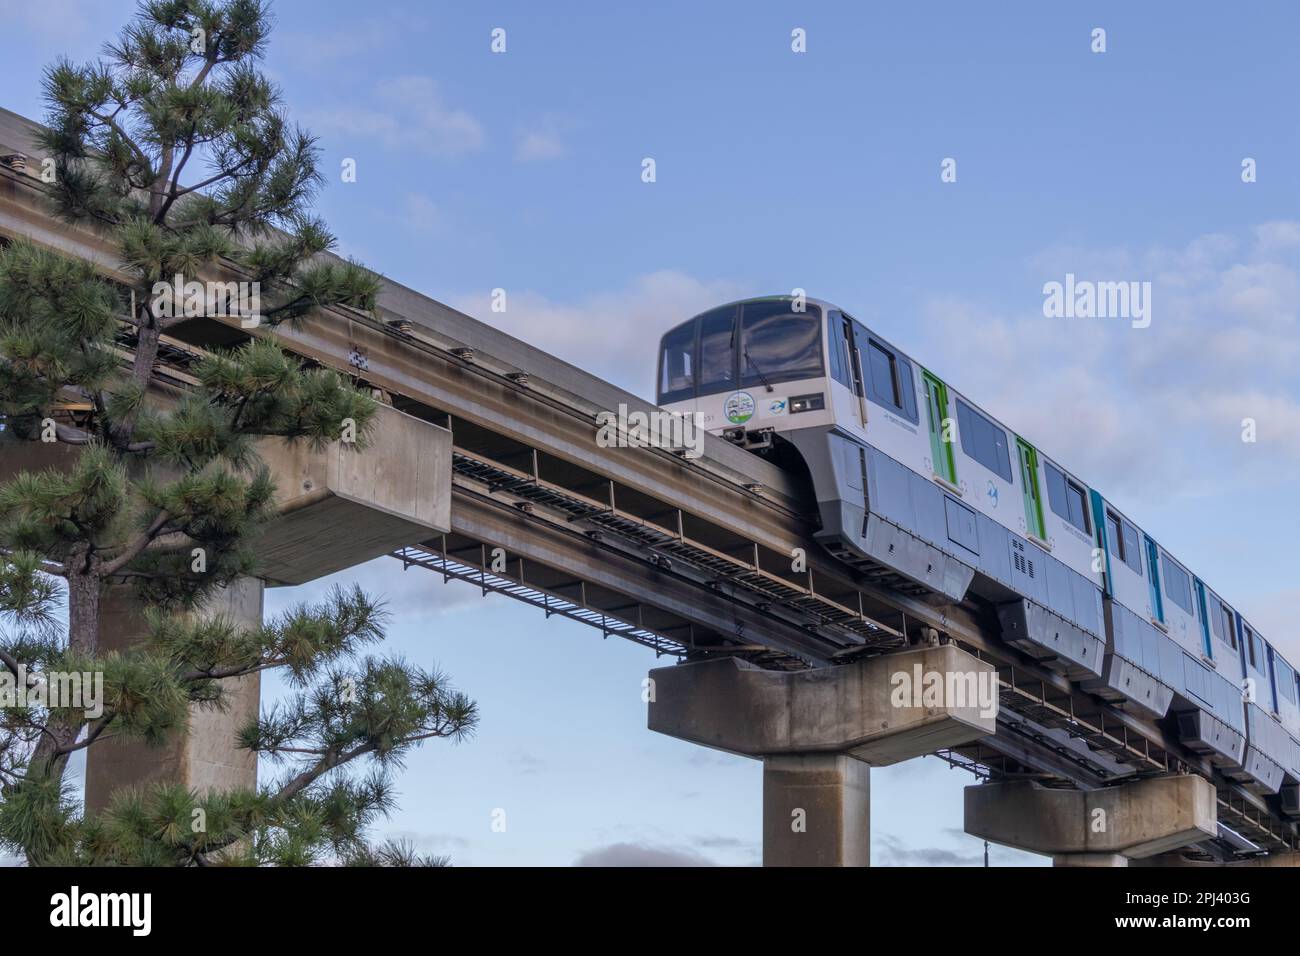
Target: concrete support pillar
(205,757)
(1107,827)
(818,733)
(816,811)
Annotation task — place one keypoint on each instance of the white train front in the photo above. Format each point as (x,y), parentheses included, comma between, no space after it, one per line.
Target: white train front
(919,489)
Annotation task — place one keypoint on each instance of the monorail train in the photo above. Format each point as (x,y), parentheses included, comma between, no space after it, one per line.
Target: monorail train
(921,490)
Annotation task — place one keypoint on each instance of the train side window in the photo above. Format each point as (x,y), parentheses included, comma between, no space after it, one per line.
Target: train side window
(1285,677)
(839,354)
(1228,629)
(1078,499)
(1056,490)
(908,387)
(1115,537)
(1248,637)
(983,440)
(1178,583)
(889,380)
(884,376)
(1132,552)
(1067,499)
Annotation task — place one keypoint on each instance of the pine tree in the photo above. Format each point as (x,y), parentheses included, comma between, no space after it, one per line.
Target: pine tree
(176,148)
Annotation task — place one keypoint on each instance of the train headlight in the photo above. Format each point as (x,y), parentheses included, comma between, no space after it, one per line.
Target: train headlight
(807,403)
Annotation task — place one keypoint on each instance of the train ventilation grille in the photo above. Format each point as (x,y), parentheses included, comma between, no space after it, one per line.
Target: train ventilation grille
(1024,563)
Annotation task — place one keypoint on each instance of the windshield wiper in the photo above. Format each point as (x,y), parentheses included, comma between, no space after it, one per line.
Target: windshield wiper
(761,377)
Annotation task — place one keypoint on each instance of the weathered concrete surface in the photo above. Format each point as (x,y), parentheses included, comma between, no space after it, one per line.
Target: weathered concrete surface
(1286,859)
(341,506)
(1133,820)
(1099,860)
(816,811)
(203,759)
(17,456)
(853,709)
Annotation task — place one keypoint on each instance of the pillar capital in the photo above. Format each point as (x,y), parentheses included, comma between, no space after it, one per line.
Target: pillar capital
(881,710)
(1136,819)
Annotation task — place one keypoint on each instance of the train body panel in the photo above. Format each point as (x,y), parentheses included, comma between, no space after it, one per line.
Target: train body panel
(921,490)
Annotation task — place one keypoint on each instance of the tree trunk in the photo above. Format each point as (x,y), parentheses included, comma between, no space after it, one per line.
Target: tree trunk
(85,590)
(148,334)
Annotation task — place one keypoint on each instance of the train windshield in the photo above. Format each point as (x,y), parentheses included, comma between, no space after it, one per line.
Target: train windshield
(740,346)
(677,364)
(778,344)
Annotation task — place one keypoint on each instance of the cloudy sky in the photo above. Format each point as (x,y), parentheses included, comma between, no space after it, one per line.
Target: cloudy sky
(820,170)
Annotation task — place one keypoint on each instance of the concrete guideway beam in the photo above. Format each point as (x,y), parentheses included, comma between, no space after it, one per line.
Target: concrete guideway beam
(339,505)
(1105,827)
(881,710)
(342,505)
(1283,859)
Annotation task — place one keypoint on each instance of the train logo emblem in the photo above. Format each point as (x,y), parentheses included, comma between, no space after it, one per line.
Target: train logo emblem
(739,408)
(777,406)
(993,494)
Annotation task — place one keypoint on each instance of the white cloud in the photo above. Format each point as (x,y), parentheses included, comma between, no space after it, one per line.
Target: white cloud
(1141,411)
(1273,236)
(409,114)
(1274,615)
(412,594)
(324,49)
(543,140)
(638,854)
(420,214)
(612,334)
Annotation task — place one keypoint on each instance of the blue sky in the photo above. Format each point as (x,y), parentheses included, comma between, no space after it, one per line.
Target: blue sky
(820,170)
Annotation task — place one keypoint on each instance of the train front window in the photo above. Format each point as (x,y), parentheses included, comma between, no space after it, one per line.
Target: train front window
(717,366)
(677,365)
(778,344)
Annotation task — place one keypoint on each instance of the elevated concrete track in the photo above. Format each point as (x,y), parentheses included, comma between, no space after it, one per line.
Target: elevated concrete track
(692,558)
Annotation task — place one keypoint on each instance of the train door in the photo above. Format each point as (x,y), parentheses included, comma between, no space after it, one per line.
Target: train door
(1272,676)
(1243,638)
(1153,580)
(1205,618)
(1028,457)
(942,428)
(846,330)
